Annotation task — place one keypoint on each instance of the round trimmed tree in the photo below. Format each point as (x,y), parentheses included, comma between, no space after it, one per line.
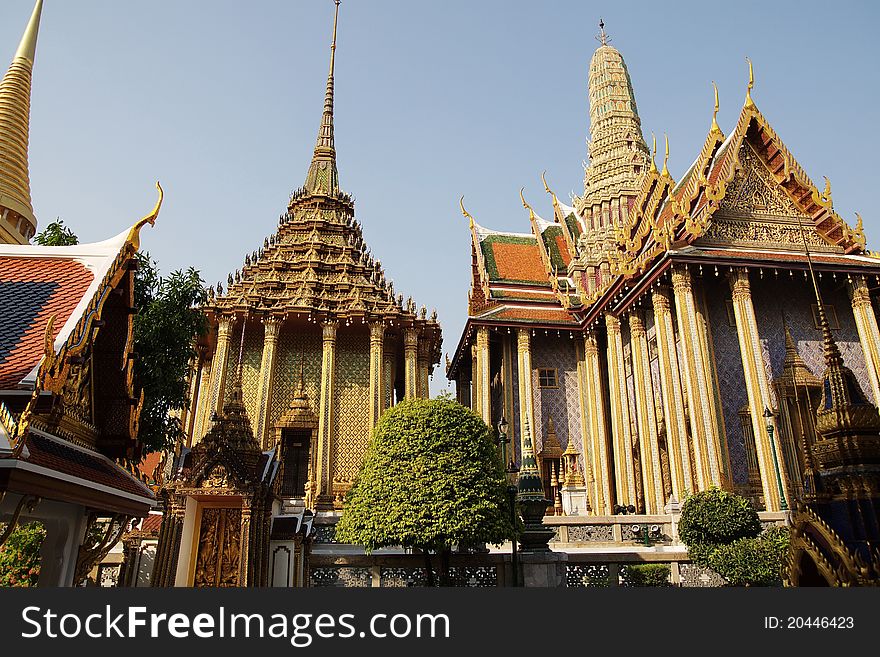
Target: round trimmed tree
(432,480)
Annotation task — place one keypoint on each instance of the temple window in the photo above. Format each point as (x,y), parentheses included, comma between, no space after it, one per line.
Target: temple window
(547,378)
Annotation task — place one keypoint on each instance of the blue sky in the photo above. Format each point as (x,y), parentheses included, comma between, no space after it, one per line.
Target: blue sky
(221,100)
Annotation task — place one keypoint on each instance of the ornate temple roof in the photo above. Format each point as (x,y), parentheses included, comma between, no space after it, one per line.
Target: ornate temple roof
(317,264)
(15,103)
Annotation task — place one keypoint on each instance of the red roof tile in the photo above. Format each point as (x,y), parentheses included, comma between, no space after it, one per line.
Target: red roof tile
(519,262)
(31,291)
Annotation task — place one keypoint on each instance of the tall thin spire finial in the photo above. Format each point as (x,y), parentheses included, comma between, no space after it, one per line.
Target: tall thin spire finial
(15,100)
(323,177)
(602,37)
(665,171)
(653,153)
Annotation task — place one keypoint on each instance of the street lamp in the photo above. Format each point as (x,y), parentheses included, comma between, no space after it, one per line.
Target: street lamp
(503,440)
(768,417)
(512,476)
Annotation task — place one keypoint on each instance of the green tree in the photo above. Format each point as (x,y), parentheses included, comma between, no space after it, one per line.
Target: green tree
(20,555)
(165,328)
(716,516)
(431,480)
(56,234)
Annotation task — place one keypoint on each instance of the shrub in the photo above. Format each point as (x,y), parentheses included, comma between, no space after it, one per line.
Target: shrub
(646,574)
(716,517)
(752,561)
(20,556)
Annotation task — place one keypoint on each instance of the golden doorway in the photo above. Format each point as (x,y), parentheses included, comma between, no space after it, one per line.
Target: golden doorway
(219,547)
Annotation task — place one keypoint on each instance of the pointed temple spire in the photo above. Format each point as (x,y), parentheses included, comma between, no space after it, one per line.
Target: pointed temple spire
(323,177)
(18,223)
(617,150)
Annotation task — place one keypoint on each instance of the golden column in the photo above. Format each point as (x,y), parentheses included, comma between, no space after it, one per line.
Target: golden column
(646,415)
(524,374)
(267,380)
(390,367)
(377,384)
(595,396)
(620,423)
(410,369)
(869,335)
(672,394)
(704,425)
(203,404)
(423,369)
(218,369)
(757,386)
(325,417)
(483,392)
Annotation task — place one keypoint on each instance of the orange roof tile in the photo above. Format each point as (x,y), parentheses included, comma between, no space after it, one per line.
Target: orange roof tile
(519,262)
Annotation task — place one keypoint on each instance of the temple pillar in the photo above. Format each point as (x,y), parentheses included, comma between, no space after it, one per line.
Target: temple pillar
(389,366)
(646,416)
(244,558)
(524,374)
(704,426)
(377,394)
(869,335)
(221,356)
(483,391)
(168,547)
(423,368)
(595,407)
(507,365)
(267,380)
(325,418)
(204,402)
(625,485)
(757,387)
(672,394)
(410,369)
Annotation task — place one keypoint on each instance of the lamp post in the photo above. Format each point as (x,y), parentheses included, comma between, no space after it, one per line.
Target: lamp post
(512,475)
(768,416)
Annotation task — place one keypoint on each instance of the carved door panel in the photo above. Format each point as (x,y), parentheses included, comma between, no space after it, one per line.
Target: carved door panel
(219,548)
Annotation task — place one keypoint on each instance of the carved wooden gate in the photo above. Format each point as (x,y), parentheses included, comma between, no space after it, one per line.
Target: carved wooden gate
(219,548)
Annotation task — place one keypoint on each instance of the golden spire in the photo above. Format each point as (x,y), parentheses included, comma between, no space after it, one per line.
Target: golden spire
(749,101)
(16,207)
(323,177)
(665,172)
(602,37)
(715,127)
(653,153)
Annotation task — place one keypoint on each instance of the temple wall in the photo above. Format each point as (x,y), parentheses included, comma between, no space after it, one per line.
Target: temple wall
(559,403)
(251,360)
(296,346)
(351,400)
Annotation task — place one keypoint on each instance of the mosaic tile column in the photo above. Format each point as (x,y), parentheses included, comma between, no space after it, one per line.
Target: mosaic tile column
(869,335)
(325,417)
(672,394)
(524,377)
(221,356)
(423,368)
(267,380)
(646,416)
(377,393)
(410,365)
(483,391)
(203,405)
(620,422)
(704,427)
(597,426)
(507,364)
(757,386)
(389,359)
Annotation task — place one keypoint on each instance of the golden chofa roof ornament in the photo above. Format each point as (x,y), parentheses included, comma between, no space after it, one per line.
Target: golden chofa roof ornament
(749,102)
(16,207)
(665,172)
(715,127)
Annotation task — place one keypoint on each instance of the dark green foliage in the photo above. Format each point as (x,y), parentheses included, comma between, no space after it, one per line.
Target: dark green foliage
(20,556)
(431,479)
(56,234)
(752,561)
(716,516)
(165,329)
(723,532)
(646,574)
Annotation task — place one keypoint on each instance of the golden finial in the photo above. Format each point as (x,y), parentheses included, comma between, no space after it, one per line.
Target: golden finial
(525,203)
(548,190)
(653,168)
(134,237)
(465,212)
(859,227)
(749,102)
(715,127)
(665,171)
(826,195)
